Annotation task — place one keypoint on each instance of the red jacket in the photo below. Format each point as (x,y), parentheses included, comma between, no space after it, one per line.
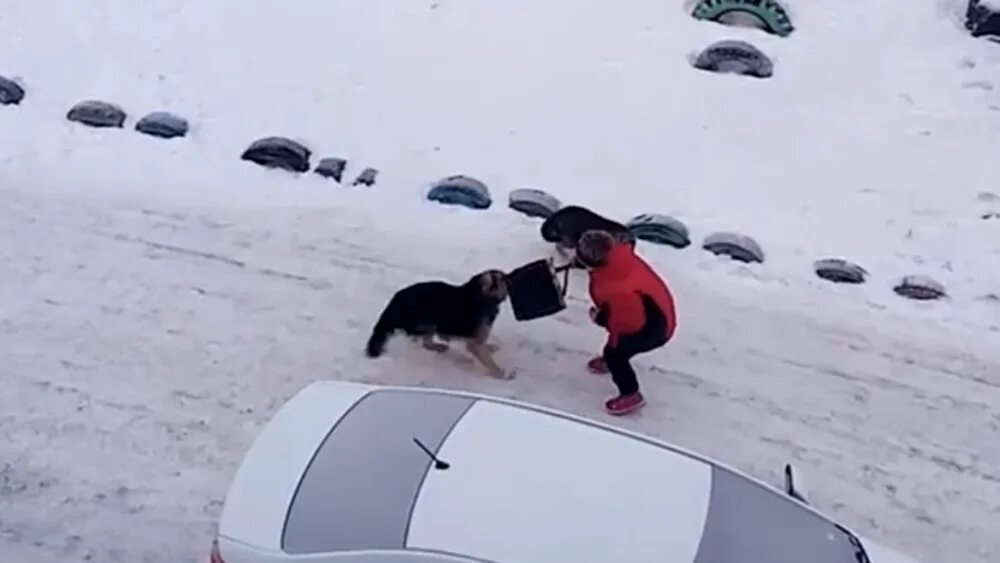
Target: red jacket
(615,288)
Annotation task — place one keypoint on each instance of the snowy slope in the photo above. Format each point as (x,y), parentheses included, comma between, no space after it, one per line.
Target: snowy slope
(159,299)
(147,343)
(859,146)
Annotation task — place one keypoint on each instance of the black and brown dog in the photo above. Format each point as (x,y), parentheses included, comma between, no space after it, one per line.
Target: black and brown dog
(439,309)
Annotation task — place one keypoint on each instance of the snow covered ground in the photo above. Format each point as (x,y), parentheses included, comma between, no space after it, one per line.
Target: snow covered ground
(158,300)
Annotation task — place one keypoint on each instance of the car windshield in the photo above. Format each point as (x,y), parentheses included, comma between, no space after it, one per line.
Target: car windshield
(748,522)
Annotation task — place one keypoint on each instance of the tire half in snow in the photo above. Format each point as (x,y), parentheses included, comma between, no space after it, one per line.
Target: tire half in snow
(97,113)
(920,288)
(772,16)
(11,93)
(162,124)
(838,270)
(278,152)
(366,178)
(735,57)
(461,190)
(533,202)
(659,229)
(736,246)
(331,167)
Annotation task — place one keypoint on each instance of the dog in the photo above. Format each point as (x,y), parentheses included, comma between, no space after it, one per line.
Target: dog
(430,309)
(565,226)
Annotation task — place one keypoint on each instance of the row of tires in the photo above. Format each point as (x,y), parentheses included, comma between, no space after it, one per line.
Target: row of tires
(97,113)
(739,57)
(982,18)
(286,154)
(729,56)
(742,58)
(666,230)
(767,15)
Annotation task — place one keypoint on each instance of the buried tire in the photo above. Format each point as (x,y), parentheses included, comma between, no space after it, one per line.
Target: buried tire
(736,246)
(11,93)
(331,167)
(461,190)
(838,270)
(767,15)
(735,57)
(366,177)
(97,113)
(920,288)
(659,229)
(162,124)
(278,152)
(533,202)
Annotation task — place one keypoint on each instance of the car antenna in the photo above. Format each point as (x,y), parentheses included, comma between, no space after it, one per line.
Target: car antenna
(438,463)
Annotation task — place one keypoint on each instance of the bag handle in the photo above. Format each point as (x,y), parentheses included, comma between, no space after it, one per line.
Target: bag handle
(565,283)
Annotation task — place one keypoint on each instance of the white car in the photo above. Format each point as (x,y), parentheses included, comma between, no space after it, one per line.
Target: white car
(353,473)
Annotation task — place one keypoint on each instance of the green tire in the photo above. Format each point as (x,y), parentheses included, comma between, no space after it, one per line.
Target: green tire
(770,13)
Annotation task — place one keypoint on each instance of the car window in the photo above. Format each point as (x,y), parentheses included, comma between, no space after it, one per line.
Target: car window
(358,491)
(750,523)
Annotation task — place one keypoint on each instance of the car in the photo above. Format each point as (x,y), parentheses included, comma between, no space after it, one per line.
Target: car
(355,473)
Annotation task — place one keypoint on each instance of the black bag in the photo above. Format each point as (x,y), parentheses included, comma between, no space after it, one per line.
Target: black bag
(534,290)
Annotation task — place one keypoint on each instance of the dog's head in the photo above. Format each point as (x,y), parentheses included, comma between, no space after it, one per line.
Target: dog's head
(492,284)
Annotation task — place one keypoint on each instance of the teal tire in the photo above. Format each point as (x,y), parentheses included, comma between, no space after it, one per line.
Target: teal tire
(771,14)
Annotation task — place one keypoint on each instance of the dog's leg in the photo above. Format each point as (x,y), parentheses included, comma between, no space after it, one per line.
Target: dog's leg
(478,347)
(483,336)
(427,341)
(479,351)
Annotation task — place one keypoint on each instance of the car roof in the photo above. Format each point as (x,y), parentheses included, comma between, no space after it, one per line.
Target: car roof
(526,484)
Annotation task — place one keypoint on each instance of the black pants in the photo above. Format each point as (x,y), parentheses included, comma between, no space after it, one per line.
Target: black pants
(651,336)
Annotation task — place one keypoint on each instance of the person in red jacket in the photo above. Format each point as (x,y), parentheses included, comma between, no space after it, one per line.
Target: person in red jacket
(635,306)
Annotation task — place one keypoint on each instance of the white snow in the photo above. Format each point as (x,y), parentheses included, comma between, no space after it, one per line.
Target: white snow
(159,299)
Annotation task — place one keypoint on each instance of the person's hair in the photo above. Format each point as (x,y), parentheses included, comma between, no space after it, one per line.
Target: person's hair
(593,247)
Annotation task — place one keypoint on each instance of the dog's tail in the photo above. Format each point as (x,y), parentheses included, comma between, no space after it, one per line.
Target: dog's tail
(380,334)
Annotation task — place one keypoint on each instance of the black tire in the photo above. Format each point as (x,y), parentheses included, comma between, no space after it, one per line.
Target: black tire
(11,93)
(278,152)
(736,57)
(162,124)
(96,113)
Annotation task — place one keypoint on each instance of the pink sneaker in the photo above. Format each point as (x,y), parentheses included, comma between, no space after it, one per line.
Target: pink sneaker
(624,404)
(597,365)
